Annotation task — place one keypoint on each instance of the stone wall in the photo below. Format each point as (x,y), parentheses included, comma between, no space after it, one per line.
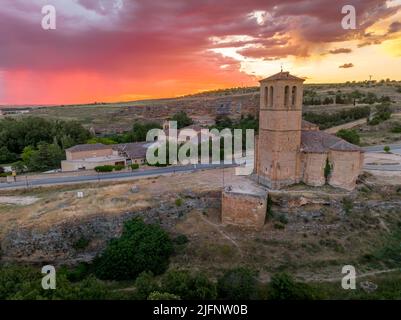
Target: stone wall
(313,168)
(346,167)
(243,209)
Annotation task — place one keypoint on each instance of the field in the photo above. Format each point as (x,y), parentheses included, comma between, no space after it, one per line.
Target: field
(315,239)
(117,117)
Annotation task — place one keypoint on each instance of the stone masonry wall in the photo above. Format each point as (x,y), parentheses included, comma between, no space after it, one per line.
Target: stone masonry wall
(346,167)
(243,209)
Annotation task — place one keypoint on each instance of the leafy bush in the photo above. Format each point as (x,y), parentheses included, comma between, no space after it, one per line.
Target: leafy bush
(237,284)
(396,128)
(283,287)
(189,286)
(386,149)
(17,283)
(145,284)
(103,140)
(141,247)
(383,113)
(106,168)
(162,296)
(327,170)
(279,225)
(134,166)
(348,204)
(181,239)
(119,167)
(81,243)
(178,202)
(182,119)
(327,120)
(349,135)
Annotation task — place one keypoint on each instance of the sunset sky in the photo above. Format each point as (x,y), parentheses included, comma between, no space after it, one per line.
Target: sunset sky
(121,50)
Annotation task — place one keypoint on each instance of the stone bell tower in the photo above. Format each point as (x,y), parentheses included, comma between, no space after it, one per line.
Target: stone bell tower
(280,124)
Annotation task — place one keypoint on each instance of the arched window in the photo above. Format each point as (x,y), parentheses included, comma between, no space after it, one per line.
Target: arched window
(294,95)
(287,95)
(266,96)
(271,96)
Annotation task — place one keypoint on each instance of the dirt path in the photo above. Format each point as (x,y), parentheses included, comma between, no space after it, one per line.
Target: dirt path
(348,125)
(225,235)
(21,201)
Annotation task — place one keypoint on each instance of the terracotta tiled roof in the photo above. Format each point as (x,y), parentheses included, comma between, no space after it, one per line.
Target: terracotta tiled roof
(133,150)
(306,125)
(321,142)
(282,76)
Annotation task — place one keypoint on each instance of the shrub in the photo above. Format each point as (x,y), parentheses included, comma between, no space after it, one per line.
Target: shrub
(17,283)
(81,243)
(279,226)
(78,273)
(383,113)
(162,296)
(237,284)
(282,218)
(386,149)
(106,168)
(182,119)
(119,167)
(327,170)
(283,287)
(347,204)
(189,286)
(141,247)
(181,239)
(349,135)
(178,202)
(396,128)
(134,166)
(145,284)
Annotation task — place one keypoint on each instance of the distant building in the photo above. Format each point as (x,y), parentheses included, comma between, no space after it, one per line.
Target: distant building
(133,152)
(89,156)
(14,111)
(290,150)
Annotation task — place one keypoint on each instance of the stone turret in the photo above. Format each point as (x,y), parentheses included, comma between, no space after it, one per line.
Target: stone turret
(280,126)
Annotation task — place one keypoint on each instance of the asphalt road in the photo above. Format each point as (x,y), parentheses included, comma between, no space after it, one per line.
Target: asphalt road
(110,176)
(394,148)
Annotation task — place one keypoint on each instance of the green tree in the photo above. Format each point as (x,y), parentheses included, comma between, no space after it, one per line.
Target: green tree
(386,149)
(141,247)
(349,135)
(238,284)
(182,119)
(162,296)
(6,156)
(189,286)
(140,130)
(145,284)
(45,157)
(283,287)
(327,170)
(18,283)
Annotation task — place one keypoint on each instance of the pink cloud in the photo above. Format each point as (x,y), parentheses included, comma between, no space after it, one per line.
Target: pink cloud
(111,50)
